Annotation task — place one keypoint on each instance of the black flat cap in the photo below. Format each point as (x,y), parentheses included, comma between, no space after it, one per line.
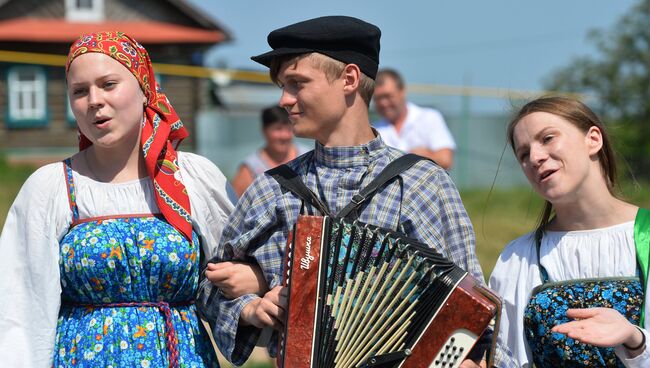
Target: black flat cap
(346,39)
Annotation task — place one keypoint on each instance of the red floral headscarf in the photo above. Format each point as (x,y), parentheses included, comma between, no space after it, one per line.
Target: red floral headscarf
(162,129)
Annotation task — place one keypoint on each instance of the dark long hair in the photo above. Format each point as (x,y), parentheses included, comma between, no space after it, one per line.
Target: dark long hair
(582,118)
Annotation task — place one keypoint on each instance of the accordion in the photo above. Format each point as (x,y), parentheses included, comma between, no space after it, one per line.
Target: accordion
(362,296)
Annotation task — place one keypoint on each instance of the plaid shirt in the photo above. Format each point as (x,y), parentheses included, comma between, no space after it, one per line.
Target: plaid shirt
(423,204)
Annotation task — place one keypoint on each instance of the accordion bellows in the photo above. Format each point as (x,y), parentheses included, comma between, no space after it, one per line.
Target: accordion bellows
(361,296)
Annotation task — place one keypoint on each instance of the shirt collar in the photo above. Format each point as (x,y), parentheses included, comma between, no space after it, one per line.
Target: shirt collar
(350,156)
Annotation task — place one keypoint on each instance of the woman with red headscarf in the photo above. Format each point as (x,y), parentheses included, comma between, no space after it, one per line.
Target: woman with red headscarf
(101,253)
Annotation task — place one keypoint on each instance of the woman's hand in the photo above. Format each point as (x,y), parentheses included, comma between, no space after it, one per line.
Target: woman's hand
(604,327)
(235,279)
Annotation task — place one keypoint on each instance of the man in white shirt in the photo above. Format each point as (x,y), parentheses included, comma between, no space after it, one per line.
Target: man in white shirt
(408,127)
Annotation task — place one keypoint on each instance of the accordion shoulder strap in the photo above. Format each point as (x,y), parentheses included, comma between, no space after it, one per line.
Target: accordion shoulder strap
(290,180)
(393,169)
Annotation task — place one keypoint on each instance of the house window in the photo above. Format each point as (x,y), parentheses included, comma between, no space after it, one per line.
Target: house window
(84,10)
(27,89)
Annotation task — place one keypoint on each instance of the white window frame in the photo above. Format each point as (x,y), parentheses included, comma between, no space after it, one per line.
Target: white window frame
(32,94)
(74,13)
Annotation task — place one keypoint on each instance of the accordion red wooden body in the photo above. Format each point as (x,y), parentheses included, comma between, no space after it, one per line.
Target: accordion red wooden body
(360,296)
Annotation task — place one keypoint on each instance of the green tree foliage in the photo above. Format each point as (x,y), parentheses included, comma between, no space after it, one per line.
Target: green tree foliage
(619,79)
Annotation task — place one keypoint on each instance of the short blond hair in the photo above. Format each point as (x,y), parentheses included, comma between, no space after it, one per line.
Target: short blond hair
(331,67)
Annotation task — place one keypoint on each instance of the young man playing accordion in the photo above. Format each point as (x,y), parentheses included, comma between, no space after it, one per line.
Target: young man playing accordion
(326,69)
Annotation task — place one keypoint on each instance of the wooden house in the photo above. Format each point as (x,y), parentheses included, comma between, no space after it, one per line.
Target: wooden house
(35,36)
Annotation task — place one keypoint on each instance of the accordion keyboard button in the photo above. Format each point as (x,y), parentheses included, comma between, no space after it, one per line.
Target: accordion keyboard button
(454,350)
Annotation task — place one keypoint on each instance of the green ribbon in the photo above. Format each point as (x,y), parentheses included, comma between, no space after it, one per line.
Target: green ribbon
(642,243)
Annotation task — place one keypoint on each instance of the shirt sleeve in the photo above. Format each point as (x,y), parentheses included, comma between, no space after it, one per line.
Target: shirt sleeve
(30,285)
(209,199)
(513,280)
(640,361)
(256,232)
(436,215)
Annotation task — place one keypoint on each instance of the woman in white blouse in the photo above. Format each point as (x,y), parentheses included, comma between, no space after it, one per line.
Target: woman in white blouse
(574,290)
(101,254)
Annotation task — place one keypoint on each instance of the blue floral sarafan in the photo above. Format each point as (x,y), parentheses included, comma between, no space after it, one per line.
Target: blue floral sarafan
(127,289)
(547,308)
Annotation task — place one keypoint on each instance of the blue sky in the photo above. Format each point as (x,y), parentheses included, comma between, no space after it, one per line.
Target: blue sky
(506,44)
(497,43)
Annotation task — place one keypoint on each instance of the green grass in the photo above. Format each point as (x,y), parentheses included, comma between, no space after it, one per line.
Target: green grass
(12,178)
(260,364)
(499,217)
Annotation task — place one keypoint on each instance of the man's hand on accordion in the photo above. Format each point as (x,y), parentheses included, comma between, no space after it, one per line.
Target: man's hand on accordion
(235,279)
(268,311)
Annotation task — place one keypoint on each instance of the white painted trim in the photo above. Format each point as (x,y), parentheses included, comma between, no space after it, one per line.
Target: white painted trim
(74,13)
(27,98)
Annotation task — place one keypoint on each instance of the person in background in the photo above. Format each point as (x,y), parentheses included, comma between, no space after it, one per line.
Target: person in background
(408,127)
(575,289)
(101,253)
(279,149)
